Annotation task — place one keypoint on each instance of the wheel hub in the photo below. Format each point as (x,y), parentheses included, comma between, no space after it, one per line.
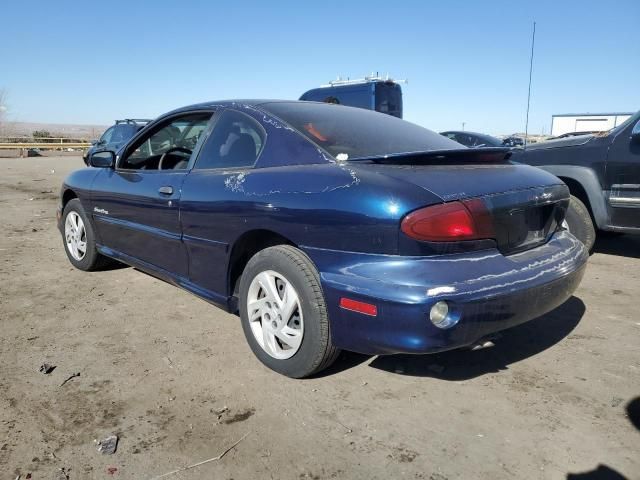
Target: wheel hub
(75,235)
(275,314)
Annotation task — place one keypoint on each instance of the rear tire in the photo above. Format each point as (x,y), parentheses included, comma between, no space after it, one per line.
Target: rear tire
(579,223)
(296,344)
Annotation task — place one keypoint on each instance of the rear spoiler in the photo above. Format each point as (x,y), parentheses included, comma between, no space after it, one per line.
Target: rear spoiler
(436,157)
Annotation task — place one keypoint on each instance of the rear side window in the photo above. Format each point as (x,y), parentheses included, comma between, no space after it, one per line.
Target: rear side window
(236,141)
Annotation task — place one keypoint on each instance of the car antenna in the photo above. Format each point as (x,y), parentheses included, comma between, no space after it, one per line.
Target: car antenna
(526,126)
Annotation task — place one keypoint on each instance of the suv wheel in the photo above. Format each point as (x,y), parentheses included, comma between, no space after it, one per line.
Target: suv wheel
(578,222)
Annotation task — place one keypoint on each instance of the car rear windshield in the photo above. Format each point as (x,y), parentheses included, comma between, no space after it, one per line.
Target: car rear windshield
(489,141)
(350,133)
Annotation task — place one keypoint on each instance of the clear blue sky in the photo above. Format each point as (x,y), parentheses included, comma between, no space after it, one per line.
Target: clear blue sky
(92,62)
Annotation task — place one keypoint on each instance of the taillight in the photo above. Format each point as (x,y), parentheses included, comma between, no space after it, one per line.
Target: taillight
(447,222)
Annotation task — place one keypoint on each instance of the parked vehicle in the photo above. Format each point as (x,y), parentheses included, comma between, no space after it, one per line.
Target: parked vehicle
(116,136)
(328,227)
(602,172)
(574,134)
(373,93)
(513,141)
(473,139)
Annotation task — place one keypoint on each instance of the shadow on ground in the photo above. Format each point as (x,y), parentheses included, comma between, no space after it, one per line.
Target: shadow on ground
(616,244)
(514,345)
(114,265)
(603,472)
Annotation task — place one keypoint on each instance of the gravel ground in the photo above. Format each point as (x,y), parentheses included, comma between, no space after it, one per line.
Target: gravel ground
(173,377)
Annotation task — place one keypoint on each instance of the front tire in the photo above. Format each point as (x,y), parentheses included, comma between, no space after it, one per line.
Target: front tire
(79,238)
(579,223)
(283,312)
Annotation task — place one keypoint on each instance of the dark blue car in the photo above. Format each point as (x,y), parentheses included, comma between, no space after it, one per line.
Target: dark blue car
(328,227)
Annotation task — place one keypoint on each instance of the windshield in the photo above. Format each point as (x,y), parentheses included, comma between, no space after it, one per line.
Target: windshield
(622,126)
(352,133)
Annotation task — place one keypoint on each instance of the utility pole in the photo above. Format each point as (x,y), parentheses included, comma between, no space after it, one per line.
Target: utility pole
(526,126)
(463,124)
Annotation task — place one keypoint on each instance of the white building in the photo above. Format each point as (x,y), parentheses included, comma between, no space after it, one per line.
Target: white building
(586,122)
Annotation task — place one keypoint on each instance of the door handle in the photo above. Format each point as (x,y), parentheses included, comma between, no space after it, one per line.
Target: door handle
(166,190)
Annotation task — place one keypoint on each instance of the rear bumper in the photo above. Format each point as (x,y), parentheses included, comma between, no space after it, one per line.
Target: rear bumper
(490,292)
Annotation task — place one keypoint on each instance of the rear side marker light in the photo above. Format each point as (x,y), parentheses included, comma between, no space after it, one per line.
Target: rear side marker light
(360,307)
(450,222)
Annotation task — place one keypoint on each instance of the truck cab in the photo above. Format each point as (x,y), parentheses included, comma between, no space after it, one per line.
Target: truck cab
(372,93)
(602,172)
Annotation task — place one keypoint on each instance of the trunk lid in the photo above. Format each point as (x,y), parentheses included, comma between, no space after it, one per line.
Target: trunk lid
(526,204)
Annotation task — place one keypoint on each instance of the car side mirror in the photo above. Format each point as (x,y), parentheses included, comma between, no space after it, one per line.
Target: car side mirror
(635,133)
(106,159)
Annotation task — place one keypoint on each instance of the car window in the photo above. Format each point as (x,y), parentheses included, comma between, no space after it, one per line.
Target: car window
(488,141)
(169,146)
(389,99)
(355,133)
(464,139)
(475,141)
(236,141)
(122,133)
(106,136)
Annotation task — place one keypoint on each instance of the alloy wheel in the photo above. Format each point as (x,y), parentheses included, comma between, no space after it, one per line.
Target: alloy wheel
(75,235)
(275,314)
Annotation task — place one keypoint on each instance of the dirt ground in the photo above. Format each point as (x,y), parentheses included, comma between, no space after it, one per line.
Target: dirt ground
(174,378)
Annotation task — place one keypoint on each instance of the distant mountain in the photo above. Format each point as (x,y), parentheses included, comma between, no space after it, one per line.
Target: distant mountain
(19,129)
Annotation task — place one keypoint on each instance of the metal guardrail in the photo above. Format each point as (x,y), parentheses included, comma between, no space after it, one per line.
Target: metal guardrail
(43,146)
(24,147)
(30,138)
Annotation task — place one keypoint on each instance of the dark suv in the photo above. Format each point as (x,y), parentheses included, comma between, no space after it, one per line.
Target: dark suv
(116,136)
(602,172)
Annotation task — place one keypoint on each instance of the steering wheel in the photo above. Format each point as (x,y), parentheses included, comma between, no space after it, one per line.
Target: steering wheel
(174,149)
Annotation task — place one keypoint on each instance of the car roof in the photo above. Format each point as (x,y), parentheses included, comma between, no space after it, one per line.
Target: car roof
(230,103)
(235,102)
(467,133)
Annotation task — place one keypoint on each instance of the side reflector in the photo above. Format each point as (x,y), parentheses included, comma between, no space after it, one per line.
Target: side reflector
(360,307)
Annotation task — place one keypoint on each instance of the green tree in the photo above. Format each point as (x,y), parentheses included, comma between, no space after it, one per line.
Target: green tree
(41,134)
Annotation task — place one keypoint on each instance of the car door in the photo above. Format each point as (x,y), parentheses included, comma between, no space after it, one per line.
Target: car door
(211,210)
(136,205)
(623,175)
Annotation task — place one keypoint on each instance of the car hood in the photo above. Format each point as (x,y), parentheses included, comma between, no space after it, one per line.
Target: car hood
(561,142)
